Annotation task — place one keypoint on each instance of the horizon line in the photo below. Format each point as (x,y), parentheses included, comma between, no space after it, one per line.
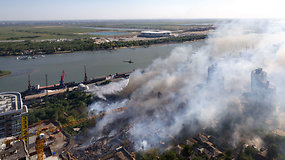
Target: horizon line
(140,19)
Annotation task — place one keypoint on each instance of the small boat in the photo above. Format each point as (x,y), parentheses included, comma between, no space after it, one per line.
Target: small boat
(129,61)
(25,58)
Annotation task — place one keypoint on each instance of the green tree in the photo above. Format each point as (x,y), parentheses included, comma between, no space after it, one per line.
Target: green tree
(273,151)
(151,154)
(228,154)
(186,152)
(167,155)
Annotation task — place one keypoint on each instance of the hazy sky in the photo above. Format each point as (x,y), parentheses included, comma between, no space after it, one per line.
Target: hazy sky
(139,9)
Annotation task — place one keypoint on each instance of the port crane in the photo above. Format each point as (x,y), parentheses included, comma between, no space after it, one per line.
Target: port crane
(61,82)
(40,132)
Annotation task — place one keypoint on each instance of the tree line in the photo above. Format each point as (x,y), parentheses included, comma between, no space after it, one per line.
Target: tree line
(51,47)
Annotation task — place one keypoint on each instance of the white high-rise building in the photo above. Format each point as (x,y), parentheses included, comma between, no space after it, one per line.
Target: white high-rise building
(11,112)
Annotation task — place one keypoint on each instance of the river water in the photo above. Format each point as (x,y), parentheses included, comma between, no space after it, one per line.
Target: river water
(98,63)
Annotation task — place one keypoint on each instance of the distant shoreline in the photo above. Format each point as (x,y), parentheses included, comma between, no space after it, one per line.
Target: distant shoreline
(153,45)
(40,48)
(4,73)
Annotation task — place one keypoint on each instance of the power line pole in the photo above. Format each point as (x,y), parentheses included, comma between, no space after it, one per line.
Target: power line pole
(85,76)
(29,83)
(46,86)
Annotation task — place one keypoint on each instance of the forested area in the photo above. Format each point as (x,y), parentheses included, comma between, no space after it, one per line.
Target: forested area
(66,108)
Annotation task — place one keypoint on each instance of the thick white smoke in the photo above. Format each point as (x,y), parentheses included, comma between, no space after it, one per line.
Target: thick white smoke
(191,90)
(111,88)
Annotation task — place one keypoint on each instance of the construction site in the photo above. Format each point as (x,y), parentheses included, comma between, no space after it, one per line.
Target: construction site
(45,139)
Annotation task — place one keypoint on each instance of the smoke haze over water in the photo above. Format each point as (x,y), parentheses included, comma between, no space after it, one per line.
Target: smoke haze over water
(190,90)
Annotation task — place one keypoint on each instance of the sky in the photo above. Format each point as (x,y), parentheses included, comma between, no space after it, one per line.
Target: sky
(139,9)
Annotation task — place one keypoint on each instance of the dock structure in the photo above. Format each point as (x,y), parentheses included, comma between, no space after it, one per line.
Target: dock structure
(47,93)
(56,89)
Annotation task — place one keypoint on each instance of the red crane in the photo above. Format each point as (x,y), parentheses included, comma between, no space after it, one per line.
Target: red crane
(61,83)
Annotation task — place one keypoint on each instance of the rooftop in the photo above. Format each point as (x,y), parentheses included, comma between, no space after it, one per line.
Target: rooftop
(10,101)
(158,32)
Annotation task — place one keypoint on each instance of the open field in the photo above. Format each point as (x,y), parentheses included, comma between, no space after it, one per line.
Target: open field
(157,26)
(43,32)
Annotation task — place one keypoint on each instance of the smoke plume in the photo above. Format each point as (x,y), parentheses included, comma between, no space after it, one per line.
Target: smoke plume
(233,83)
(112,88)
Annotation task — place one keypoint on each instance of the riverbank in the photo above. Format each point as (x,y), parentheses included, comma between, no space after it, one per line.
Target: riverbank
(37,48)
(4,73)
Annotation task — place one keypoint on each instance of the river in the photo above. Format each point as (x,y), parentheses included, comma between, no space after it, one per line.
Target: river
(98,63)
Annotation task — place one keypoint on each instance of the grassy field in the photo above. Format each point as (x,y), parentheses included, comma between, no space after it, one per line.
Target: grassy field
(4,73)
(159,26)
(43,32)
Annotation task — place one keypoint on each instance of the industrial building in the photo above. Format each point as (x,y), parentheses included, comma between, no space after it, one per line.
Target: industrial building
(153,34)
(11,112)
